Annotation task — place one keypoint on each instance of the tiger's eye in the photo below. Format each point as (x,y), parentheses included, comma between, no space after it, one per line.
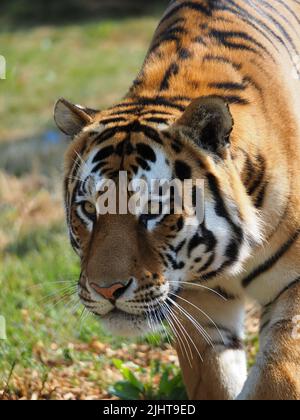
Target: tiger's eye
(89,208)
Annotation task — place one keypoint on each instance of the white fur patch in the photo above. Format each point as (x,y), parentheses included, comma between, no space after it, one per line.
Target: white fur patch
(233,370)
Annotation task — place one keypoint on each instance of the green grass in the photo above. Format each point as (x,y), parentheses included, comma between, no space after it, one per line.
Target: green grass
(32,269)
(91,63)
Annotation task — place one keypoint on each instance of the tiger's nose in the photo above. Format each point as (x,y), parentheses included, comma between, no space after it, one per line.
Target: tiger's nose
(113,292)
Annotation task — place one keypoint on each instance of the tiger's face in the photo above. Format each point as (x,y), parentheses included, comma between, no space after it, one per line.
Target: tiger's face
(134,264)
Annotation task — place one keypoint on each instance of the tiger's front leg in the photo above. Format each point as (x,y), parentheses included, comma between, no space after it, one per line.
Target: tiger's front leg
(222,372)
(276,375)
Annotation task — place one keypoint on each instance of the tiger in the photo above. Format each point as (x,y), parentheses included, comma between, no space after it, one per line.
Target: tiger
(217,99)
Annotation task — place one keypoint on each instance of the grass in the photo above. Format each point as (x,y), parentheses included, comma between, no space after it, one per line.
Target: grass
(91,63)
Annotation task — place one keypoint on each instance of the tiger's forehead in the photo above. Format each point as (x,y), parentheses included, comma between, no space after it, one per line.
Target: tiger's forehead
(133,152)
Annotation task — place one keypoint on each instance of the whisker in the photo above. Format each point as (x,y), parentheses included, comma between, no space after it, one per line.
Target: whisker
(151,321)
(180,326)
(184,331)
(196,324)
(74,178)
(82,317)
(178,336)
(73,305)
(148,318)
(200,286)
(50,283)
(202,312)
(158,322)
(64,298)
(163,325)
(86,166)
(77,164)
(68,289)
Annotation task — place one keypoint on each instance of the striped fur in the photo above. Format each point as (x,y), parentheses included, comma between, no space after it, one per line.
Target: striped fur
(240,53)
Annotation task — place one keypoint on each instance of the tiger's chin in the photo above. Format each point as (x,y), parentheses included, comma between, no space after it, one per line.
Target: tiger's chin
(123,324)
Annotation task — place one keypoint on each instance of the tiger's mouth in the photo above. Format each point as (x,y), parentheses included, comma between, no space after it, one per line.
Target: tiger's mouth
(116,312)
(121,323)
(130,315)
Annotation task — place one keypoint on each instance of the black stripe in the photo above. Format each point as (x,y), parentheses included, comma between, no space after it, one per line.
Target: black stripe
(112,120)
(283,3)
(184,54)
(234,99)
(251,20)
(194,243)
(228,86)
(249,81)
(231,39)
(189,6)
(172,33)
(146,152)
(220,59)
(103,154)
(129,112)
(290,286)
(175,265)
(226,295)
(263,327)
(220,207)
(172,71)
(199,40)
(135,169)
(149,132)
(259,178)
(99,167)
(108,134)
(73,241)
(278,13)
(232,340)
(161,101)
(142,101)
(165,39)
(234,343)
(143,164)
(174,30)
(276,23)
(156,120)
(215,273)
(180,246)
(153,113)
(267,265)
(135,127)
(182,170)
(207,264)
(259,200)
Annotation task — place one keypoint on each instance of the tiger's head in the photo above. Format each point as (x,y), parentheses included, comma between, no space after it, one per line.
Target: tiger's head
(133,265)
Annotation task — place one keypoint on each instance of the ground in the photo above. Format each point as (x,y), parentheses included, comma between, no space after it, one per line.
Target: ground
(54,350)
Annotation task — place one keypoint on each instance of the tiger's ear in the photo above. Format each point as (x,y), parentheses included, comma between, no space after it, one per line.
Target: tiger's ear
(71,119)
(209,123)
